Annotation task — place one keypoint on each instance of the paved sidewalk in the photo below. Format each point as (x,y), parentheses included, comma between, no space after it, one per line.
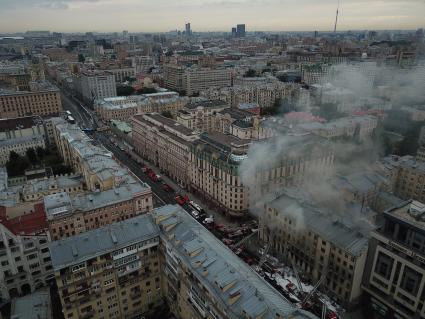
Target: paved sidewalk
(219,218)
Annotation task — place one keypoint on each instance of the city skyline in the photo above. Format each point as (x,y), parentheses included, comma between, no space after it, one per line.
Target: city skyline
(208,15)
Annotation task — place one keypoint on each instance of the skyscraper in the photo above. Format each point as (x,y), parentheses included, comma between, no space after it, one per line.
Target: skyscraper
(233,32)
(188,30)
(240,30)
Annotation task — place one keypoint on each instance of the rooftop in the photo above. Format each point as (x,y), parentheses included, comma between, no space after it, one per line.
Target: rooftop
(216,266)
(11,124)
(411,212)
(206,104)
(34,306)
(79,248)
(29,224)
(346,231)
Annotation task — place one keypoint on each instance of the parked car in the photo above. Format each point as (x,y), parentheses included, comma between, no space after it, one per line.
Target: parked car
(181,200)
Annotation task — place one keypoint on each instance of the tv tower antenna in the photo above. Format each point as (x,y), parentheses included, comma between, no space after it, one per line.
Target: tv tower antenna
(336,18)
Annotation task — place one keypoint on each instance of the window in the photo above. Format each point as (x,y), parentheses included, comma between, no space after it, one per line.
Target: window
(384,265)
(411,280)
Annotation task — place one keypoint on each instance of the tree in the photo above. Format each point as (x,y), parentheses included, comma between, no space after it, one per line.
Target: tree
(81,58)
(146,90)
(124,90)
(167,114)
(169,53)
(40,152)
(31,155)
(250,73)
(17,164)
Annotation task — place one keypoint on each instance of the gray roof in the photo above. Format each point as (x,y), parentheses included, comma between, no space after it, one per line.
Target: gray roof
(79,248)
(23,139)
(34,306)
(343,231)
(216,266)
(63,203)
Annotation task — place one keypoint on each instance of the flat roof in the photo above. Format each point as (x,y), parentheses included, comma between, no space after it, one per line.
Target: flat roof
(174,125)
(81,247)
(33,306)
(216,266)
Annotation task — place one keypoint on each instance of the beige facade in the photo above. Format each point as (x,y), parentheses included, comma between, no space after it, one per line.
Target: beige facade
(165,143)
(43,102)
(193,80)
(116,277)
(214,169)
(317,245)
(201,116)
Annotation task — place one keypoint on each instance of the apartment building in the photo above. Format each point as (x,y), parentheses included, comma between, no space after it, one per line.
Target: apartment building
(319,243)
(68,215)
(165,143)
(124,107)
(121,74)
(200,115)
(114,193)
(196,80)
(406,175)
(394,276)
(24,253)
(202,278)
(92,85)
(42,99)
(126,270)
(110,272)
(193,80)
(264,93)
(173,77)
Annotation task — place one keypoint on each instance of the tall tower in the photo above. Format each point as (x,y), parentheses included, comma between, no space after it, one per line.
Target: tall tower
(188,30)
(336,17)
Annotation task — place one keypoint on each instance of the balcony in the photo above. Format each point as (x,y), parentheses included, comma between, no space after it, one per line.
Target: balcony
(88,314)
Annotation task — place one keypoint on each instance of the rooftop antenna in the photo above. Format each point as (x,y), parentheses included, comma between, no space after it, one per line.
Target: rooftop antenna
(336,18)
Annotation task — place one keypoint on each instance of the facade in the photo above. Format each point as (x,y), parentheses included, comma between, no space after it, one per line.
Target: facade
(193,80)
(114,193)
(201,115)
(95,85)
(42,99)
(165,143)
(264,93)
(196,80)
(124,107)
(394,277)
(68,215)
(20,145)
(24,254)
(216,157)
(318,244)
(202,278)
(126,270)
(121,74)
(111,272)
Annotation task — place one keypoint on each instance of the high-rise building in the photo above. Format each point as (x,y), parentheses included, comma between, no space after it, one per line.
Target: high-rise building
(95,85)
(128,269)
(188,30)
(233,32)
(240,30)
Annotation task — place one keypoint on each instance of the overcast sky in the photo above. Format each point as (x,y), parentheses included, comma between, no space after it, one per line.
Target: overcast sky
(208,15)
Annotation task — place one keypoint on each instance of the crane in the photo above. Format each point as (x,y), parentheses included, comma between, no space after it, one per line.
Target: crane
(297,277)
(318,283)
(243,240)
